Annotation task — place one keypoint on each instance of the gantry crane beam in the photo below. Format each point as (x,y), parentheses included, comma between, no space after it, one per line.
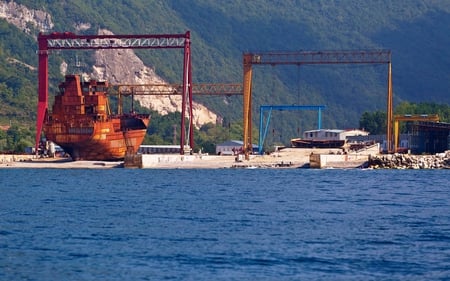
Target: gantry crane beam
(217,89)
(309,57)
(162,89)
(321,57)
(413,118)
(71,41)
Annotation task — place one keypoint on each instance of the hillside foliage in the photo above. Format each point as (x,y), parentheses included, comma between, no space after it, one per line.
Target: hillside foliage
(416,31)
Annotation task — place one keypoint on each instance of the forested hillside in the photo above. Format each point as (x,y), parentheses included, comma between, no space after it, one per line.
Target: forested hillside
(417,32)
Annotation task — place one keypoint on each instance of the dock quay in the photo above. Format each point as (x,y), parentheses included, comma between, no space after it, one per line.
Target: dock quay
(321,161)
(284,159)
(33,162)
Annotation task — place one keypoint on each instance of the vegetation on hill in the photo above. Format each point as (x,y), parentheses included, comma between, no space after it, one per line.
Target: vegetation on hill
(375,122)
(415,30)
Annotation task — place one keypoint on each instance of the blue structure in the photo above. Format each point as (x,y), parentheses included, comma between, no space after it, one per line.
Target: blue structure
(262,108)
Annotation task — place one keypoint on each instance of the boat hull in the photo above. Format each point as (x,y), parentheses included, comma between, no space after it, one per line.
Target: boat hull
(81,125)
(97,142)
(303,143)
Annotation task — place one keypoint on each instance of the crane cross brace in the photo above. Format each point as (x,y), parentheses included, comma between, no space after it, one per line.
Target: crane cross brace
(116,43)
(321,57)
(176,89)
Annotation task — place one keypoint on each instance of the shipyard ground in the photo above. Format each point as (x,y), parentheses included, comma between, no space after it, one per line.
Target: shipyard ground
(286,158)
(19,161)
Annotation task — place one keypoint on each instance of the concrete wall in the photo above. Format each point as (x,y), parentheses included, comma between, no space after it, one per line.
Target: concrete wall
(337,160)
(8,158)
(155,160)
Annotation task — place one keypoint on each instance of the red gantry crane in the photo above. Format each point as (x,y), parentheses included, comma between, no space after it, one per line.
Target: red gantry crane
(71,41)
(310,57)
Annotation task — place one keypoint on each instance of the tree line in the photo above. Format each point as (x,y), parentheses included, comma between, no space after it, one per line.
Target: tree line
(165,129)
(375,122)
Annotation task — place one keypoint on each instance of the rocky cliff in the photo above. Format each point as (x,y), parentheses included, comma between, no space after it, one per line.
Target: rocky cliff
(23,17)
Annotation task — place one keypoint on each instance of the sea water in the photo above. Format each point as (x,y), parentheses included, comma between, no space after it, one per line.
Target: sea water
(224,224)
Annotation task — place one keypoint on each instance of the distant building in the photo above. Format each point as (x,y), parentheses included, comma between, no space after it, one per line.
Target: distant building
(424,138)
(430,137)
(332,134)
(325,138)
(404,141)
(232,147)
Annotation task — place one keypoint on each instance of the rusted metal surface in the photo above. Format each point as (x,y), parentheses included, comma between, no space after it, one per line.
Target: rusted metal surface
(71,41)
(81,123)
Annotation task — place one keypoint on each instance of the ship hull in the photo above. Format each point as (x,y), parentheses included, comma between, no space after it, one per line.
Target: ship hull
(303,143)
(99,141)
(81,124)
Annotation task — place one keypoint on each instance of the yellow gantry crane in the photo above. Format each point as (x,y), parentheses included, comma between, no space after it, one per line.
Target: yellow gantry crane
(410,117)
(310,57)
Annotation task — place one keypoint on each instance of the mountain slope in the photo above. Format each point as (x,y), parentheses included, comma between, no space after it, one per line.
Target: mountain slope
(416,31)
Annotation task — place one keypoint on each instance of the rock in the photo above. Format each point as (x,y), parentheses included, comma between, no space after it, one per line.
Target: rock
(405,161)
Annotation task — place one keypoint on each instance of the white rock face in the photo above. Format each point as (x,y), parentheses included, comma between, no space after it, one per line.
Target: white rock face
(20,16)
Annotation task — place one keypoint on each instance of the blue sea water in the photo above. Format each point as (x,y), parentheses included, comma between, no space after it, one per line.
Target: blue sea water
(224,224)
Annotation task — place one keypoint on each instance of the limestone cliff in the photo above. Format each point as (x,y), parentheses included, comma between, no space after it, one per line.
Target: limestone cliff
(22,17)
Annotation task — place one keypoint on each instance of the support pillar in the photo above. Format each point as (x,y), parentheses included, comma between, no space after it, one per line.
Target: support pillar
(42,88)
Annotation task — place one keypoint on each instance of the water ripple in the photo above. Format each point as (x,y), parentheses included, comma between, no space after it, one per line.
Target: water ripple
(227,224)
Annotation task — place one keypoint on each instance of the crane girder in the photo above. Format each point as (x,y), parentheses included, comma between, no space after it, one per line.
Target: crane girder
(68,40)
(417,117)
(217,89)
(164,89)
(321,57)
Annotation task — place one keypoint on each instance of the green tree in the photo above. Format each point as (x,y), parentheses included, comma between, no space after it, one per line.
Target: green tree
(373,122)
(442,110)
(22,144)
(3,140)
(17,138)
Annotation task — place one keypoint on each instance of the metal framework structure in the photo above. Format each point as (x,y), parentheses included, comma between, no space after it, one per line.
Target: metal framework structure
(262,108)
(310,57)
(164,89)
(430,137)
(161,89)
(71,41)
(409,117)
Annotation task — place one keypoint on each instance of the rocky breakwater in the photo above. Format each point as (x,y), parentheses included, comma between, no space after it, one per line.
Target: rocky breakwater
(406,161)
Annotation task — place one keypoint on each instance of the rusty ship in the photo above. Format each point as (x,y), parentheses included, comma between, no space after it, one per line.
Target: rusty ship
(81,123)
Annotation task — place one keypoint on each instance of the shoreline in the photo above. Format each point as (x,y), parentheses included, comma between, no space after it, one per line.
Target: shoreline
(289,158)
(60,163)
